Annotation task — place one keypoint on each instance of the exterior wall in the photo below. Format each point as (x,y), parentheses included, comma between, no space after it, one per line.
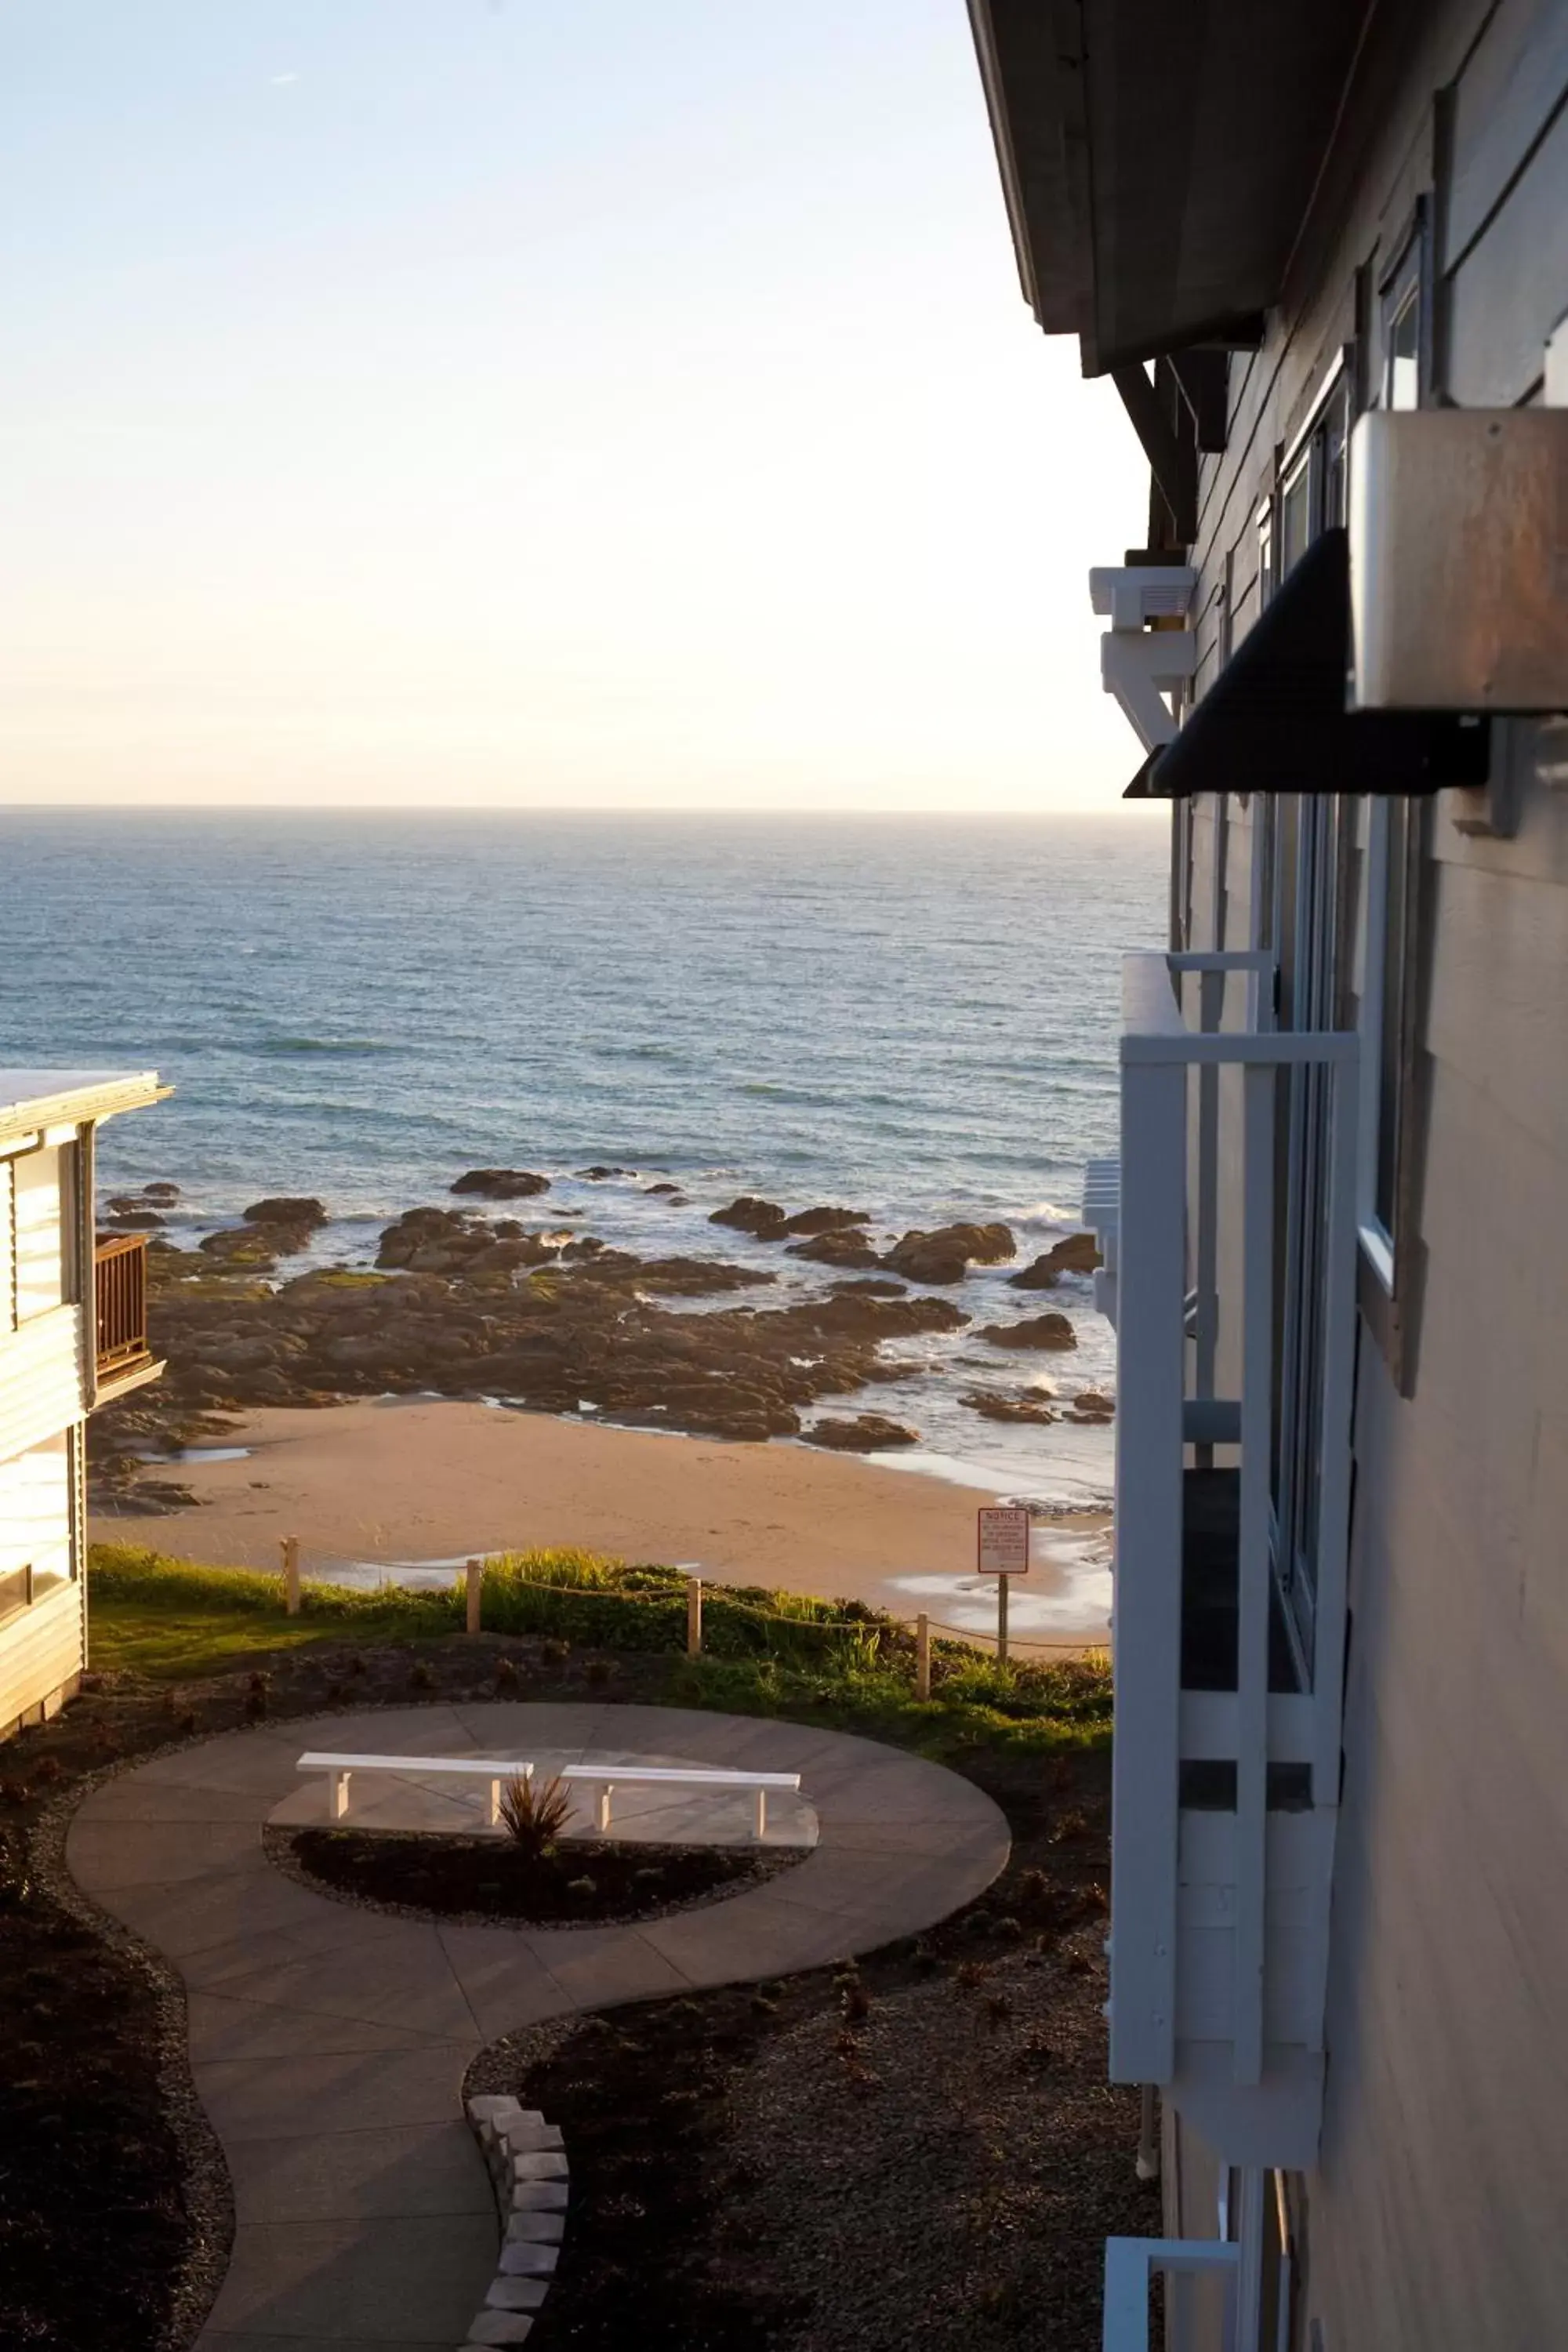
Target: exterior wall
(41,1640)
(45,1386)
(1434,2218)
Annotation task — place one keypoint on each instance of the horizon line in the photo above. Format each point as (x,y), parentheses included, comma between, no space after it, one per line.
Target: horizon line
(1115,805)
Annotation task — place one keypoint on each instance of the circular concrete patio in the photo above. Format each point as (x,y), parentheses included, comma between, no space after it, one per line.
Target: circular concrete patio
(329,2043)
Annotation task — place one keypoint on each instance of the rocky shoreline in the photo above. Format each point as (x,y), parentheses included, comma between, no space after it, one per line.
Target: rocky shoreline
(545,1316)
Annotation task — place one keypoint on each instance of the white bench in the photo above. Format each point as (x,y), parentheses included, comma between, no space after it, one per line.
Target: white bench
(602,1778)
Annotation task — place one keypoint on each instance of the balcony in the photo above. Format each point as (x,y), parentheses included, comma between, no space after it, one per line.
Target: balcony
(1228,1236)
(123,1358)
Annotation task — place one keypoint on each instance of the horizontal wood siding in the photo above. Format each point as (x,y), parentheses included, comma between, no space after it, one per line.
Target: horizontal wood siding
(42,1379)
(40,1653)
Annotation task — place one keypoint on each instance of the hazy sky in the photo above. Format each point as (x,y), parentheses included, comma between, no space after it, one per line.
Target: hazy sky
(569,402)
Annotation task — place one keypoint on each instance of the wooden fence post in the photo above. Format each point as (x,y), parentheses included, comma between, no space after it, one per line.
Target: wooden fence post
(475,1575)
(922,1656)
(694,1616)
(290,1549)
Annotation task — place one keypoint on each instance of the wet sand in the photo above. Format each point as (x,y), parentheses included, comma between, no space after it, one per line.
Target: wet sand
(400,1485)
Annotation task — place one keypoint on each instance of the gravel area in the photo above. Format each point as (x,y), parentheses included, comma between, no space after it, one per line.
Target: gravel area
(919,2149)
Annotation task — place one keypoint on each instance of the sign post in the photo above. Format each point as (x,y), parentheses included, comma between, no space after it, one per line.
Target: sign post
(1003,1550)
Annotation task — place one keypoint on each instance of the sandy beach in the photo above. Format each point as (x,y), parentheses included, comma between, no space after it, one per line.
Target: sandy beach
(404,1486)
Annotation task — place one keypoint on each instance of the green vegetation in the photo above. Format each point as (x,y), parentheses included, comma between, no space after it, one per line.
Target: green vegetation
(170,1619)
(764,1652)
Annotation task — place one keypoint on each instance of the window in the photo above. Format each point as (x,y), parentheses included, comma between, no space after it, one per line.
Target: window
(1402,374)
(1389,943)
(37,1257)
(15,1591)
(1306,929)
(37,1523)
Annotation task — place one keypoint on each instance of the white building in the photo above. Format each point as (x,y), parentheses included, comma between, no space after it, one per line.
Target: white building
(1320,252)
(73,1335)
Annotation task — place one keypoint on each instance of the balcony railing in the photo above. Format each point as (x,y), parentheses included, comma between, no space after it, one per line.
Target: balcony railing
(120,1300)
(1233,1265)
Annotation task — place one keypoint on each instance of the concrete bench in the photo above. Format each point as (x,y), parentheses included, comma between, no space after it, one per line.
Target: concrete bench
(602,1778)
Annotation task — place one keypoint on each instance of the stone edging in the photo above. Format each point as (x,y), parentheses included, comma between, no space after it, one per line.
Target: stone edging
(527,2164)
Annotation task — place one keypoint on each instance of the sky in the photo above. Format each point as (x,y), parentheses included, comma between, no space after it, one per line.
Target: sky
(583,404)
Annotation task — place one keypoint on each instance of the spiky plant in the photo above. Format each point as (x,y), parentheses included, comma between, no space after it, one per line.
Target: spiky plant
(534,1813)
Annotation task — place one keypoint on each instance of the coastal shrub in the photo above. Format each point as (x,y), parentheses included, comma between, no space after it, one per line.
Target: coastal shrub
(764,1653)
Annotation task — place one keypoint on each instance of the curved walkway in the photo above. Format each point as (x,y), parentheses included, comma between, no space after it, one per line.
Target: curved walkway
(329,2043)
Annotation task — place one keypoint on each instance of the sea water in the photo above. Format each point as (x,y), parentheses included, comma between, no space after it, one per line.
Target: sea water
(913,1016)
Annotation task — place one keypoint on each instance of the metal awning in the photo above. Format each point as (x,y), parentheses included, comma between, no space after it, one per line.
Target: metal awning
(1158,157)
(1275,719)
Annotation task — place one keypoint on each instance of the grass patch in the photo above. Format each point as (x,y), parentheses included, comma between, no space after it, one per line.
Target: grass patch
(173,1619)
(764,1653)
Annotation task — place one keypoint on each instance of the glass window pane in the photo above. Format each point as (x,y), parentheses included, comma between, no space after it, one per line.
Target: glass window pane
(1296,517)
(1391,1042)
(1404,388)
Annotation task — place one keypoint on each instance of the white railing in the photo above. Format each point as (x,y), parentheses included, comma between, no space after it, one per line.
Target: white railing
(1131,2263)
(1226,1788)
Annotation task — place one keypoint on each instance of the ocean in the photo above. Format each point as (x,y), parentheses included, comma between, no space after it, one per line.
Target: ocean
(914,1016)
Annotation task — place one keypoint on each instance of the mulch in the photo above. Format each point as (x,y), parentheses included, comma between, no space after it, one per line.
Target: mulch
(588,1881)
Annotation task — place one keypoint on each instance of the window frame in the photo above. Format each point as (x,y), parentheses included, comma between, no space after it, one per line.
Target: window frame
(1390,887)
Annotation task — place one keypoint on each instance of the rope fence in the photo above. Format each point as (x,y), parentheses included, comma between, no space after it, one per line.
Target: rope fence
(497,1599)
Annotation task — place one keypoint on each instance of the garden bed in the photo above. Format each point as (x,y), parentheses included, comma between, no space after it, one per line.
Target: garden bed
(591,1881)
(916,2148)
(114,2215)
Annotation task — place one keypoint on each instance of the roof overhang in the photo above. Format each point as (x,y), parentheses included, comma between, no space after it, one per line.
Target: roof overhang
(1158,157)
(32,1099)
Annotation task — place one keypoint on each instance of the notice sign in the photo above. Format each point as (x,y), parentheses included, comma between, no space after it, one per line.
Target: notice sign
(1004,1541)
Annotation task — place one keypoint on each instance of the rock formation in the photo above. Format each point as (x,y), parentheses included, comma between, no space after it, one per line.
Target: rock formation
(502,1184)
(946,1254)
(1078,1254)
(869,1432)
(1036,1331)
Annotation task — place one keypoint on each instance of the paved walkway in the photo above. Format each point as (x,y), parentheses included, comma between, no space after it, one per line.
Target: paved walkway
(329,2043)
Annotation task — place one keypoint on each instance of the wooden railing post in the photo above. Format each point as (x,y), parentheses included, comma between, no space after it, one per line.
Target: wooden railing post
(922,1655)
(694,1616)
(290,1550)
(474,1574)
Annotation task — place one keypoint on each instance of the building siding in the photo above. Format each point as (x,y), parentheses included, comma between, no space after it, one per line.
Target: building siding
(1434,2218)
(40,1655)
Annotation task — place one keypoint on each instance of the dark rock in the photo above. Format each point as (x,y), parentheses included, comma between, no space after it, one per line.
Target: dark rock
(242,1245)
(826,1221)
(130,1217)
(946,1254)
(765,1219)
(597,1175)
(163,1193)
(651,1189)
(1078,1255)
(878,1287)
(1038,1331)
(1093,1405)
(992,1407)
(848,1249)
(282,1211)
(869,1432)
(501,1183)
(850,1312)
